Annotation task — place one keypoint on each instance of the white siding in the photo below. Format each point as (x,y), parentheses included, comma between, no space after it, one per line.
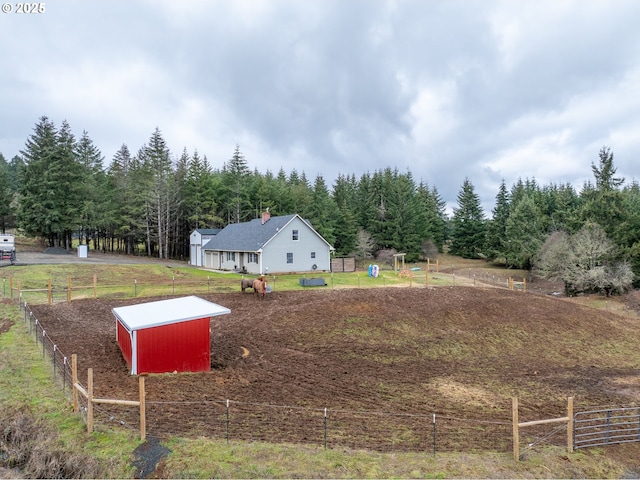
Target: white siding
(274,258)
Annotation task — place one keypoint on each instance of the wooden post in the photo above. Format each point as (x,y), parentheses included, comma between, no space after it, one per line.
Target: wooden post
(69,289)
(516,433)
(74,380)
(95,285)
(143,408)
(524,284)
(570,424)
(49,293)
(90,400)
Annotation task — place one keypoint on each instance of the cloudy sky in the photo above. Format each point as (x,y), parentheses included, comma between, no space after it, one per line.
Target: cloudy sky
(446,89)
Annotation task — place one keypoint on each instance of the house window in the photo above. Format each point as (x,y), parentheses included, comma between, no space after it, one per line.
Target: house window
(294,236)
(231,256)
(313,254)
(252,257)
(289,257)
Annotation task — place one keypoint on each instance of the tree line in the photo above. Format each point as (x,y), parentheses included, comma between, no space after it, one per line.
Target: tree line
(59,188)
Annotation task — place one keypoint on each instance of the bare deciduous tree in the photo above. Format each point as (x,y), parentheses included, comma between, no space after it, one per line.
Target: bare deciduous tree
(365,245)
(585,262)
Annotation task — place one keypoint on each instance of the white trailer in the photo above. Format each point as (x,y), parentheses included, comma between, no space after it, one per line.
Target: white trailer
(7,247)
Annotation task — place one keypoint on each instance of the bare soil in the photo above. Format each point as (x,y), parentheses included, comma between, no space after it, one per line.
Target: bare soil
(381,361)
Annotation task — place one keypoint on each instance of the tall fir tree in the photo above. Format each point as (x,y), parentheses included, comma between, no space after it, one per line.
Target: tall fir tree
(236,174)
(322,211)
(497,226)
(468,228)
(50,184)
(435,227)
(6,196)
(524,234)
(96,204)
(344,196)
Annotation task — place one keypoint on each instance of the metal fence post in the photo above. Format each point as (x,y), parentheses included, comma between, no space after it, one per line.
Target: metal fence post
(227,420)
(434,435)
(325,428)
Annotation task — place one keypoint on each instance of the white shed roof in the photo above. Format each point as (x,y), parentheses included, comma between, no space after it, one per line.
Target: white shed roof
(163,312)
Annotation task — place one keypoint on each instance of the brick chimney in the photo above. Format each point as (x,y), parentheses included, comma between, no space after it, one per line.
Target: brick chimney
(265,216)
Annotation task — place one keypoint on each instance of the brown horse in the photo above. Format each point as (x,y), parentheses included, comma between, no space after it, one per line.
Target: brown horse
(246,283)
(260,287)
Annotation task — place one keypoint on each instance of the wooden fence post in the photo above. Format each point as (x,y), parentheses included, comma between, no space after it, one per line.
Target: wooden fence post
(516,432)
(90,400)
(517,425)
(74,380)
(570,424)
(143,408)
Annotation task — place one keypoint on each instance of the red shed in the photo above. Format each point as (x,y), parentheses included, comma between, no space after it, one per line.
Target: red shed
(167,335)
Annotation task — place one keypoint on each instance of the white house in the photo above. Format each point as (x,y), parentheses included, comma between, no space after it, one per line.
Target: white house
(198,238)
(268,245)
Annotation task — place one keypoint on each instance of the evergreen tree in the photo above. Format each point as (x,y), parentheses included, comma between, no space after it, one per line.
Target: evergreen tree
(6,196)
(236,174)
(322,210)
(201,205)
(497,226)
(435,222)
(38,213)
(67,178)
(605,171)
(344,196)
(602,204)
(128,225)
(95,207)
(560,205)
(468,230)
(523,234)
(283,198)
(628,237)
(301,195)
(162,200)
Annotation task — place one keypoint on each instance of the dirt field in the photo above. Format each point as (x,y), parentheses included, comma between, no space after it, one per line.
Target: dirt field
(381,361)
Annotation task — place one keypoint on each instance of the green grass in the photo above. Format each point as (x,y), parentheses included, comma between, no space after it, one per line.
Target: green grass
(27,388)
(131,281)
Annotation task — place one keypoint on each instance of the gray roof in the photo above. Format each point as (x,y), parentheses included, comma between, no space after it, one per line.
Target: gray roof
(248,236)
(208,231)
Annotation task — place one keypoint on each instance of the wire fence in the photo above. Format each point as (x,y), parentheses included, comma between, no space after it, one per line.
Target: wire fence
(51,292)
(325,427)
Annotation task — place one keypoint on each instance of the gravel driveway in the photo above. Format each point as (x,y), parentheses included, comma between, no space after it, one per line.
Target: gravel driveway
(53,256)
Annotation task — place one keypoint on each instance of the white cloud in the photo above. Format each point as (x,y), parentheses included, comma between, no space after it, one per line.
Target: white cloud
(447,88)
